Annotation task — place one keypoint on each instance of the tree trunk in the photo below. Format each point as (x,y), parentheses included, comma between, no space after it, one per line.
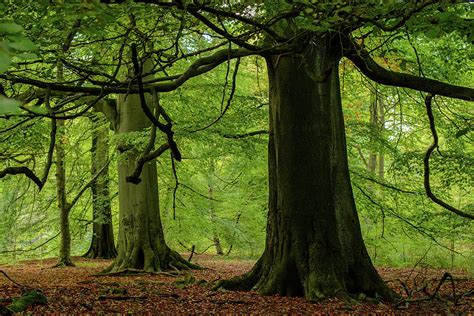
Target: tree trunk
(372,163)
(381,160)
(63,205)
(314,246)
(212,211)
(102,244)
(141,244)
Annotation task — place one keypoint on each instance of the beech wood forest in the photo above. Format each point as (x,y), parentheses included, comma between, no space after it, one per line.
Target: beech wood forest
(236,156)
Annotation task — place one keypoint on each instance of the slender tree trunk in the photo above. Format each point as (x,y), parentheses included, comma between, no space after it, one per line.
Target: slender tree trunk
(376,163)
(372,163)
(64,207)
(215,235)
(314,246)
(141,243)
(102,243)
(381,160)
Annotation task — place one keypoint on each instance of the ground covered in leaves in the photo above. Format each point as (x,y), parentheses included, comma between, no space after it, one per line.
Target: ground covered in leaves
(80,290)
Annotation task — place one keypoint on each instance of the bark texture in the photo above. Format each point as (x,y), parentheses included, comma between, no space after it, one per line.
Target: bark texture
(141,244)
(102,243)
(63,205)
(314,246)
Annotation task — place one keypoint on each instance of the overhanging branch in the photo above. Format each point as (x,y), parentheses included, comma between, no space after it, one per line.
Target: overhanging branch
(362,59)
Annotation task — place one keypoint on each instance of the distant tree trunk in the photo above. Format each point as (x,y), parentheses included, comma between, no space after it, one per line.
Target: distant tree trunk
(141,243)
(314,247)
(377,121)
(372,163)
(215,235)
(102,244)
(381,162)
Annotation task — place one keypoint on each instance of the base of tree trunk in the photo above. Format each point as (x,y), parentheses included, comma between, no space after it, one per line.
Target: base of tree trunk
(93,253)
(149,261)
(264,279)
(64,263)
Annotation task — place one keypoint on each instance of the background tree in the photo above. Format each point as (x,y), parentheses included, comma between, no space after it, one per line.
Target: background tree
(102,243)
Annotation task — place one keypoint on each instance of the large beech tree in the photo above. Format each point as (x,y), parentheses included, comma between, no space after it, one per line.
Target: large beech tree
(314,246)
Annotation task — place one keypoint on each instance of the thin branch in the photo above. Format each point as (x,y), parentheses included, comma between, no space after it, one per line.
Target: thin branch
(384,184)
(229,100)
(417,228)
(88,184)
(32,249)
(426,162)
(245,135)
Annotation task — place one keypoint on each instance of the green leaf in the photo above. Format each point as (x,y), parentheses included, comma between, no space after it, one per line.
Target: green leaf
(21,43)
(10,28)
(26,56)
(5,61)
(9,106)
(403,65)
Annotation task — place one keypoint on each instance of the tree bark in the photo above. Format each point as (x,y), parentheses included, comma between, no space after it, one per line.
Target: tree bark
(102,243)
(314,246)
(141,243)
(63,205)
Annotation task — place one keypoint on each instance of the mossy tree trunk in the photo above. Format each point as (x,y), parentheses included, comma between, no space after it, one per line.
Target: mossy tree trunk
(314,246)
(63,205)
(102,243)
(141,243)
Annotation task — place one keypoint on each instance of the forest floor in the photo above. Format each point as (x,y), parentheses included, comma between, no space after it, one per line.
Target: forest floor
(79,290)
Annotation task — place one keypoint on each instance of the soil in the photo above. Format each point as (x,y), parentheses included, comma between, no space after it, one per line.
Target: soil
(79,290)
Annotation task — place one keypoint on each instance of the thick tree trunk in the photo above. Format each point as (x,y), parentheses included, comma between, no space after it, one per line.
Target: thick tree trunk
(314,246)
(141,244)
(102,243)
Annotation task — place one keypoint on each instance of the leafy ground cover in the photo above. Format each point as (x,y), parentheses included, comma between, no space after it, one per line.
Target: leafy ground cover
(80,290)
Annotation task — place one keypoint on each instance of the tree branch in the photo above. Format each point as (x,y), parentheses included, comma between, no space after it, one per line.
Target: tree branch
(426,162)
(245,135)
(362,59)
(198,67)
(167,129)
(135,176)
(22,170)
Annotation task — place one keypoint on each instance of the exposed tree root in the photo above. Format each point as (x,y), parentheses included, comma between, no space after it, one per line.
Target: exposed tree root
(267,282)
(149,262)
